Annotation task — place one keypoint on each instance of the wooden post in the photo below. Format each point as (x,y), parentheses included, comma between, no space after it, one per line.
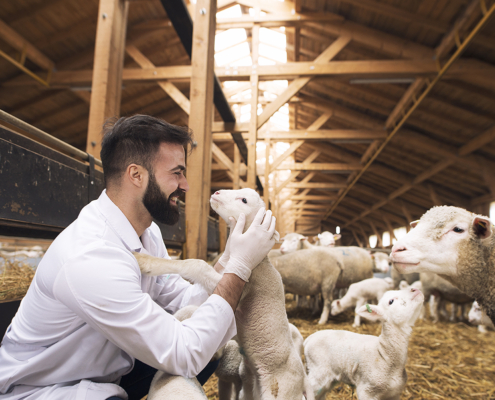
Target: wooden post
(266,189)
(200,121)
(106,89)
(237,167)
(253,124)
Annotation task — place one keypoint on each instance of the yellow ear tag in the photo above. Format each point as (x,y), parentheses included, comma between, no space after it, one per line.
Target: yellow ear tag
(369,308)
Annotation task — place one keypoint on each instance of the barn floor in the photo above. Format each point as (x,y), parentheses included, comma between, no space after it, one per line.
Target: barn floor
(446,360)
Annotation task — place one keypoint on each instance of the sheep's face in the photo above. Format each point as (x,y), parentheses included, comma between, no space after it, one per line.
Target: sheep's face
(231,203)
(327,239)
(382,262)
(433,245)
(336,307)
(292,242)
(475,314)
(400,307)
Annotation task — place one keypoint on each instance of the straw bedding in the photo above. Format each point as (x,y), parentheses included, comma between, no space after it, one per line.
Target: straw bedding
(445,360)
(15,278)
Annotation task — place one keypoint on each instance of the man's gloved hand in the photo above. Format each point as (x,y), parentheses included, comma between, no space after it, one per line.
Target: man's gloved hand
(224,259)
(248,249)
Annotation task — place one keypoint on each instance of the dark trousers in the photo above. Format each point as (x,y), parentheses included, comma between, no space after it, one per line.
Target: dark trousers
(137,382)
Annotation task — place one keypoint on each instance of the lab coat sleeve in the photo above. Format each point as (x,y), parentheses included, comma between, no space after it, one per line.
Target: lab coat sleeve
(103,287)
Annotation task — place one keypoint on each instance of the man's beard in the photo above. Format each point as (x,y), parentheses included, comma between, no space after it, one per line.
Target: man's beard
(158,205)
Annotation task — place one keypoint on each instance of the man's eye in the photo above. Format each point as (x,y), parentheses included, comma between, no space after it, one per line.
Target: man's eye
(458,230)
(244,201)
(391,302)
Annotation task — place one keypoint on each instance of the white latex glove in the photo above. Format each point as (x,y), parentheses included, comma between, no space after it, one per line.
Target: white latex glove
(248,249)
(224,259)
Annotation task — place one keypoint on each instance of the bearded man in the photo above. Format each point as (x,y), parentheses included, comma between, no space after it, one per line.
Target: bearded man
(91,326)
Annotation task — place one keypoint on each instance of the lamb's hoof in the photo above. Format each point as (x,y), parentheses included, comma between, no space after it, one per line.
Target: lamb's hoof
(356,325)
(320,322)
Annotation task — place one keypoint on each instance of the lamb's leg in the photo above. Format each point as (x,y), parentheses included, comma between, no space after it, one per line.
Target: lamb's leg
(434,302)
(327,302)
(316,304)
(224,390)
(357,319)
(453,312)
(195,271)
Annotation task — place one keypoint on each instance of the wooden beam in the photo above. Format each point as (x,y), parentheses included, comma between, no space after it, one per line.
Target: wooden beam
(316,185)
(200,121)
(378,236)
(266,189)
(106,89)
(169,88)
(27,49)
(221,157)
(293,147)
(434,196)
(326,134)
(313,198)
(236,173)
(299,83)
(275,20)
(253,124)
(360,244)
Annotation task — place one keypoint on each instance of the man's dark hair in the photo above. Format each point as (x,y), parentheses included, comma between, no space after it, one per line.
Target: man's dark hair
(136,140)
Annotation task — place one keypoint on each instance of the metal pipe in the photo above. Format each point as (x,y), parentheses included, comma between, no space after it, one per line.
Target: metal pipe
(4,116)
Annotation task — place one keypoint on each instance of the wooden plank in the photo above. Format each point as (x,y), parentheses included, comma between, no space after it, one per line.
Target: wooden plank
(360,244)
(106,88)
(266,189)
(316,185)
(275,20)
(434,196)
(306,197)
(200,121)
(236,173)
(299,83)
(326,134)
(14,39)
(293,147)
(221,157)
(378,236)
(340,167)
(253,123)
(169,88)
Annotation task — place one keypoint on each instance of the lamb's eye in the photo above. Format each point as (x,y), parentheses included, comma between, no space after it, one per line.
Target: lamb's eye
(244,201)
(391,302)
(458,230)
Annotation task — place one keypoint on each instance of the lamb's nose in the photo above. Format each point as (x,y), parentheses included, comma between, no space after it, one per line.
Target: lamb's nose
(217,193)
(414,290)
(398,248)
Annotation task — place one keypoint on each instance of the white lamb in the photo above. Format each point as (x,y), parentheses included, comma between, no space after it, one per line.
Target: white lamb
(359,293)
(375,365)
(478,317)
(262,326)
(294,241)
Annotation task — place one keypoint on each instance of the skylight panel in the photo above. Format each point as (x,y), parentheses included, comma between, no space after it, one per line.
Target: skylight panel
(232,12)
(275,39)
(232,55)
(265,61)
(229,38)
(243,62)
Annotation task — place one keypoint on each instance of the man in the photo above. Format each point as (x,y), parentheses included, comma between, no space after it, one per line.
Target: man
(89,314)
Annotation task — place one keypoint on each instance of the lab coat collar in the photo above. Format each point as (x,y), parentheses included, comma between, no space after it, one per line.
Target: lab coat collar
(119,223)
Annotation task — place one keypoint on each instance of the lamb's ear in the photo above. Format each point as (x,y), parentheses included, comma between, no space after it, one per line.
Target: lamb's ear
(276,236)
(414,223)
(482,227)
(336,237)
(303,238)
(371,312)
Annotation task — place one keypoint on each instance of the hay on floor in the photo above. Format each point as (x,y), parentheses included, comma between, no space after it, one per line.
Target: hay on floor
(445,360)
(15,279)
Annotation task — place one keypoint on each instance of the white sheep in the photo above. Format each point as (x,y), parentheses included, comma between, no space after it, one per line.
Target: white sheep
(478,317)
(375,365)
(326,239)
(456,244)
(381,262)
(359,293)
(293,242)
(272,364)
(309,273)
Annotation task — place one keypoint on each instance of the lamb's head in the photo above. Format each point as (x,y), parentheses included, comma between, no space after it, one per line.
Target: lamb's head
(399,307)
(382,261)
(327,239)
(292,242)
(336,308)
(231,203)
(438,238)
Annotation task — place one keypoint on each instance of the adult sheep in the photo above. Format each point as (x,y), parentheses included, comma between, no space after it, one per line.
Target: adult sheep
(262,326)
(311,272)
(456,244)
(326,239)
(293,242)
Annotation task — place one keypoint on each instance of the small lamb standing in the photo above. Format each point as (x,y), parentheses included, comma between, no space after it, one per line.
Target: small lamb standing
(359,293)
(375,365)
(455,244)
(262,326)
(478,317)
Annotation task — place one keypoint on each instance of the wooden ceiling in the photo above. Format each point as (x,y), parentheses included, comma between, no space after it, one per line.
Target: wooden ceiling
(355,67)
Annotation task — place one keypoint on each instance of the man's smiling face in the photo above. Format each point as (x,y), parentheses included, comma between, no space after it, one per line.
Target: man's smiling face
(166,183)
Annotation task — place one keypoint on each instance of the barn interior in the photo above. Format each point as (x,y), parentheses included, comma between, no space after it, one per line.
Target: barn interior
(348,116)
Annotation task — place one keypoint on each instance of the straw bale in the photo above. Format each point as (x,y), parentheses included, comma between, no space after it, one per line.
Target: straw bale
(15,278)
(445,360)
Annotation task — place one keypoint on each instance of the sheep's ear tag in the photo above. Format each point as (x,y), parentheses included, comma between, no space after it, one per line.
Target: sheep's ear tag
(369,308)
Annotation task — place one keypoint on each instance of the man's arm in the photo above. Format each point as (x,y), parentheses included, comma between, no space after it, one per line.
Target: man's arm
(230,288)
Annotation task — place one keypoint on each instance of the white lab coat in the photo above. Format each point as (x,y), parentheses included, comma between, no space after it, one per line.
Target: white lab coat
(89,313)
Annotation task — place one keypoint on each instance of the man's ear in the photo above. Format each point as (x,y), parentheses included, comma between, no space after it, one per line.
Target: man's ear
(482,227)
(377,313)
(137,175)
